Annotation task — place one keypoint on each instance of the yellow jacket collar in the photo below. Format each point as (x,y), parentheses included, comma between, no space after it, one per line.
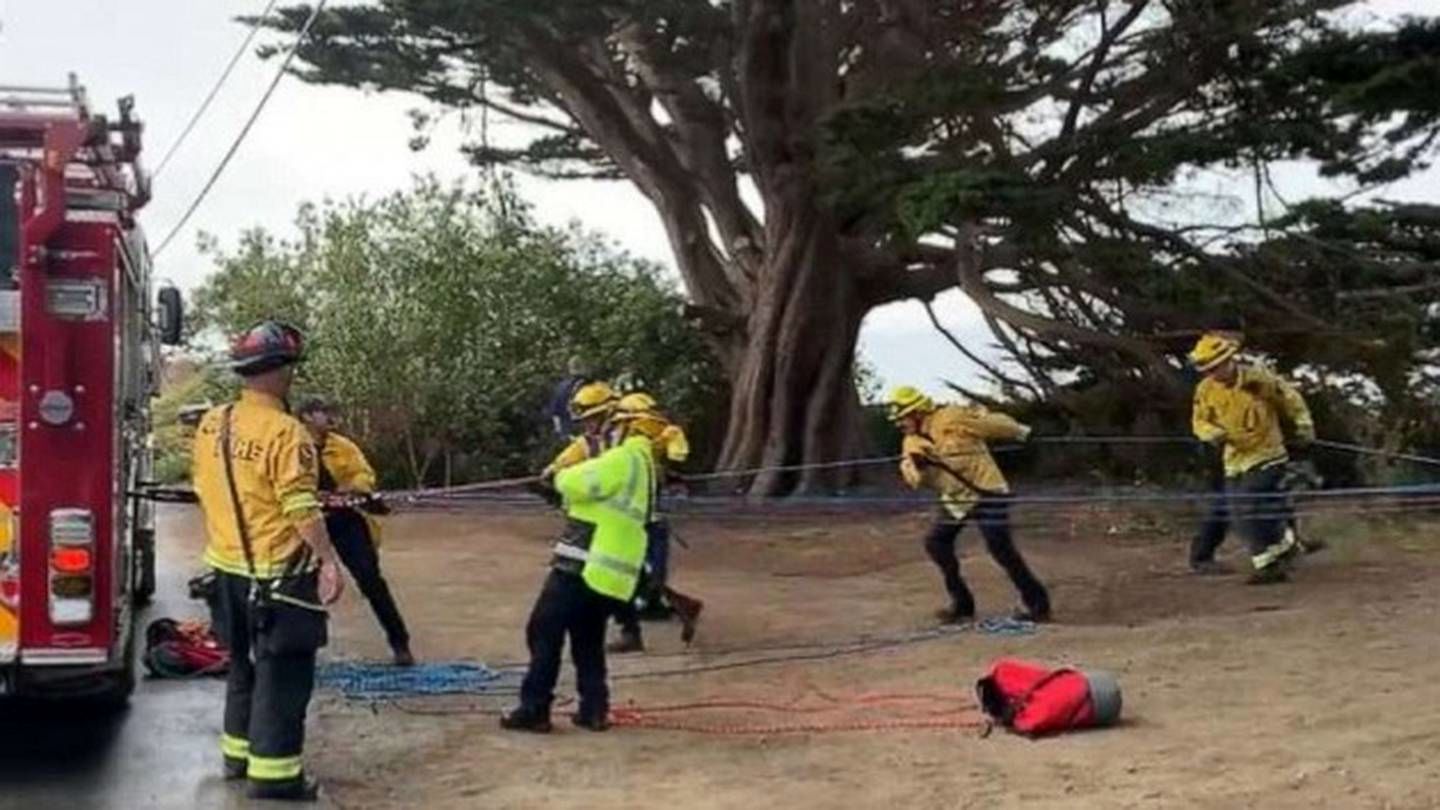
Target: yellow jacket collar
(262,399)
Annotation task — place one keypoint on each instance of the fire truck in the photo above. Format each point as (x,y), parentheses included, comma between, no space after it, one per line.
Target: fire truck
(80,336)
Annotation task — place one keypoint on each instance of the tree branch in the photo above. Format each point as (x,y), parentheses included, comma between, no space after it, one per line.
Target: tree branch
(968,267)
(612,117)
(993,371)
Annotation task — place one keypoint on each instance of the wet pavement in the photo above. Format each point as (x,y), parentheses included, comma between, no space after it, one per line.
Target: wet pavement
(159,753)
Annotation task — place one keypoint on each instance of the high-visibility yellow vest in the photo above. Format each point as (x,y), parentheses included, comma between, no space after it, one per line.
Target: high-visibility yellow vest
(611,495)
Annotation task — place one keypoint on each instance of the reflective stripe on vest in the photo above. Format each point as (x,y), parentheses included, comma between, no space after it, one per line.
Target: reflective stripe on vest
(569,552)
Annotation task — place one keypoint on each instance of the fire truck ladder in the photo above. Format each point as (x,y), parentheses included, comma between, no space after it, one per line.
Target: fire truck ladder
(19,98)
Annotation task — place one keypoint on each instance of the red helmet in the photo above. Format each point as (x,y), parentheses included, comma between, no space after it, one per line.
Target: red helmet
(266,346)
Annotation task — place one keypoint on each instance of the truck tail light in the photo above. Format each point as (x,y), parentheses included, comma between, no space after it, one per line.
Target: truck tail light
(10,584)
(67,560)
(72,583)
(10,565)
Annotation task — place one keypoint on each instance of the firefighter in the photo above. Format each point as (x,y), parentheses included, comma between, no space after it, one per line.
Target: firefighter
(595,569)
(944,449)
(557,408)
(353,525)
(590,409)
(256,473)
(654,596)
(1239,408)
(1216,523)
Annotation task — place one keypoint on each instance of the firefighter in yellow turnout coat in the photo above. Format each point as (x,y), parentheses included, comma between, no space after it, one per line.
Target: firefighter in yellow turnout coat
(944,449)
(256,474)
(1239,408)
(655,597)
(347,487)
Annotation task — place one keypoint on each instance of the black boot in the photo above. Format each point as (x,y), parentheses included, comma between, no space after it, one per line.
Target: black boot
(524,718)
(1272,574)
(300,789)
(1039,614)
(955,615)
(688,609)
(402,655)
(235,768)
(594,721)
(630,641)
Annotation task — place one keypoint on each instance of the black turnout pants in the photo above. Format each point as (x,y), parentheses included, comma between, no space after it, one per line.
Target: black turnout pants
(266,695)
(1218,515)
(351,536)
(568,607)
(1260,507)
(992,517)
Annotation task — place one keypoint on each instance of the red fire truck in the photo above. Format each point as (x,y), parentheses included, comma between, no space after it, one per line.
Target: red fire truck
(79,348)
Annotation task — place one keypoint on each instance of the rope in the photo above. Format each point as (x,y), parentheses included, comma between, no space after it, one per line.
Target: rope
(819,465)
(900,711)
(365,681)
(726,501)
(1360,450)
(463,489)
(830,651)
(704,504)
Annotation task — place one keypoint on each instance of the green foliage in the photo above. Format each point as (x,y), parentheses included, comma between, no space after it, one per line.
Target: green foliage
(440,319)
(187,384)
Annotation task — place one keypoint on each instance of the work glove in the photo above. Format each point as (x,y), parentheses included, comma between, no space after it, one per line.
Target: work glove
(911,469)
(545,488)
(1304,434)
(372,503)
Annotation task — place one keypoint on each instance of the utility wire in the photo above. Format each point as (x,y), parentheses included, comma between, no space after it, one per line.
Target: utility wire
(215,90)
(234,147)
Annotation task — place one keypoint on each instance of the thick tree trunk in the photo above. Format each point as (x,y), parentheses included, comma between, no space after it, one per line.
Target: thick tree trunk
(793,398)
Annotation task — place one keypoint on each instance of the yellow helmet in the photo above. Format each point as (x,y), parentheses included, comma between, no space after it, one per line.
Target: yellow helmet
(642,413)
(593,399)
(1212,350)
(906,400)
(636,406)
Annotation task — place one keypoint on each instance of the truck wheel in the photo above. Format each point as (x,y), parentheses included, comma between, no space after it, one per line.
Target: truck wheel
(144,566)
(116,694)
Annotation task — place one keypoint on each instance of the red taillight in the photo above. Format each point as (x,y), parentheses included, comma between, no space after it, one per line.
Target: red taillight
(9,589)
(70,560)
(72,555)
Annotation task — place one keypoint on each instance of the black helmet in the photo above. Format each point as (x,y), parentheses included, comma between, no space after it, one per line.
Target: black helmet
(266,346)
(315,405)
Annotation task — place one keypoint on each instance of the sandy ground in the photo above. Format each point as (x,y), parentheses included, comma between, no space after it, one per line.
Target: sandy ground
(1321,693)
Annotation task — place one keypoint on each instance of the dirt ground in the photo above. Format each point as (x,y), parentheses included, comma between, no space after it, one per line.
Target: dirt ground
(1322,693)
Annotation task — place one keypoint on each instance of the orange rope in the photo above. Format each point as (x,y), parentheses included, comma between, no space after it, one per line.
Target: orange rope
(931,711)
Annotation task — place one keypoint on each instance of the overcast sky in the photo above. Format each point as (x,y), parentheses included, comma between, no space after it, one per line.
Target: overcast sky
(316,142)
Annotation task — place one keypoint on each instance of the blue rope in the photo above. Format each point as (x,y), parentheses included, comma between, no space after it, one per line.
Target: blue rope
(1005,626)
(359,680)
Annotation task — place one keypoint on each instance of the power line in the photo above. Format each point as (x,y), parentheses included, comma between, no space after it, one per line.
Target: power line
(215,90)
(234,147)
